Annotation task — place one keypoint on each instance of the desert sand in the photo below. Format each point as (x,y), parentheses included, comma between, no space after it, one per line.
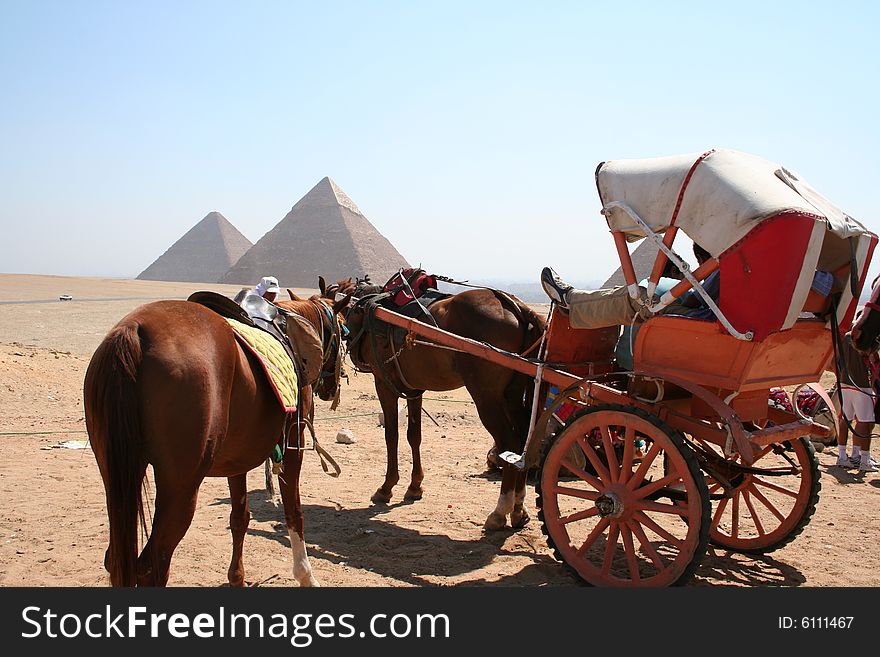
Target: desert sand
(53,524)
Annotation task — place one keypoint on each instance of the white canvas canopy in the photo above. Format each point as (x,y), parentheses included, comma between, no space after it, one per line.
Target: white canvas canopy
(729,194)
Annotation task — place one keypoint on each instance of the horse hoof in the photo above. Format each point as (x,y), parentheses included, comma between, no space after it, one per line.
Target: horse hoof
(380,497)
(494,522)
(413,494)
(519,520)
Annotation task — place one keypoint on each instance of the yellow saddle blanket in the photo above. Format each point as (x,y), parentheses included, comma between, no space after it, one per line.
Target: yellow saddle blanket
(276,363)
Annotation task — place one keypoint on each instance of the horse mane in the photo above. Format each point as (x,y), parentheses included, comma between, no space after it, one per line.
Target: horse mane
(308,308)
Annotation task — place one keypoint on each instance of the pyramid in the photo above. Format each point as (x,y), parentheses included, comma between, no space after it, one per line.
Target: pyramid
(324,234)
(202,255)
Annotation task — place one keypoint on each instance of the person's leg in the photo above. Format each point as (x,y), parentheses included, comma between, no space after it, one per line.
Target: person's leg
(846,415)
(864,413)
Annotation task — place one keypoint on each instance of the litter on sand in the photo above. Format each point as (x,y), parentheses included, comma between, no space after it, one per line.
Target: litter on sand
(70,444)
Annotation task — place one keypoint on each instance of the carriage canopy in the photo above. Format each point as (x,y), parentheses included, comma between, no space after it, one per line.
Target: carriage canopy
(768,228)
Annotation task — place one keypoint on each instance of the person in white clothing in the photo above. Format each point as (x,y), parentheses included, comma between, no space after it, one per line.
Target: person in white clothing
(857,409)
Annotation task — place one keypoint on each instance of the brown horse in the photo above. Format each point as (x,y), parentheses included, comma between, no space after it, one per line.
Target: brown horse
(502,397)
(171,387)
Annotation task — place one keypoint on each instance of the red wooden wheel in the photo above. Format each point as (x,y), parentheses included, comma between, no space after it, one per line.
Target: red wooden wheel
(637,512)
(765,512)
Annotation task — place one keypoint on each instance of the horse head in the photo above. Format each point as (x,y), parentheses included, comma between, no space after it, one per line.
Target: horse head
(866,328)
(335,300)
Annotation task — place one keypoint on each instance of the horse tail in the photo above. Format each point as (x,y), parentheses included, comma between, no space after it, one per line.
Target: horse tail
(111,396)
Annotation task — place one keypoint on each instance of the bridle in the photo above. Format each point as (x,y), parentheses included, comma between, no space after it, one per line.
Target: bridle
(333,332)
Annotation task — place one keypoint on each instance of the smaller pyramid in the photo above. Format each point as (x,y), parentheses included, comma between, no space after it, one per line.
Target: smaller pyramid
(202,255)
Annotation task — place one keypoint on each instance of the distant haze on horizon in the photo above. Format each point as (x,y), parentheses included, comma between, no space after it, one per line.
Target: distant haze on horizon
(467,133)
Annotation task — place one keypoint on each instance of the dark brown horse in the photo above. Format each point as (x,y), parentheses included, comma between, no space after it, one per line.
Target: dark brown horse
(171,387)
(502,397)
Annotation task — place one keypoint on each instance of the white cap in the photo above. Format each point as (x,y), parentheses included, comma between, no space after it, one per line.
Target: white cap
(268,284)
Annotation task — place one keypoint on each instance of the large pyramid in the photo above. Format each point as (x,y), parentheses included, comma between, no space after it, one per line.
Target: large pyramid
(202,255)
(324,234)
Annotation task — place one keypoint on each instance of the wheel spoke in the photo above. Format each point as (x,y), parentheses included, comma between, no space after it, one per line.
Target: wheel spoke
(646,544)
(664,508)
(594,460)
(593,535)
(583,476)
(590,495)
(714,487)
(610,455)
(719,512)
(768,504)
(628,450)
(643,468)
(653,487)
(631,559)
(610,548)
(778,489)
(580,515)
(657,529)
(734,513)
(748,500)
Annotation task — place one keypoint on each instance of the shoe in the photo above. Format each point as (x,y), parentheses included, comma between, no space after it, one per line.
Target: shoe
(846,462)
(555,287)
(870,466)
(856,461)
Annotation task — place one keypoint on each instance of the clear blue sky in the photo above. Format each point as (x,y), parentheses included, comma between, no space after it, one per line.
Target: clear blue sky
(467,132)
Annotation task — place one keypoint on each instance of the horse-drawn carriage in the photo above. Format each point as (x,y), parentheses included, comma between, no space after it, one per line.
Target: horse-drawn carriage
(640,469)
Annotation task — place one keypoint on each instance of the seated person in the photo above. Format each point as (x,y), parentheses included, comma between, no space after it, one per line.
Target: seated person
(691,304)
(669,278)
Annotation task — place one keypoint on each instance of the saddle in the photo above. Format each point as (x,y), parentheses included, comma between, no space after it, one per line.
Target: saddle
(253,310)
(410,292)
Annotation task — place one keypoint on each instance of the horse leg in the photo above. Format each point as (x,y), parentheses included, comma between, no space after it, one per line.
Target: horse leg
(293,515)
(517,406)
(239,518)
(493,401)
(506,499)
(519,517)
(173,516)
(414,438)
(388,400)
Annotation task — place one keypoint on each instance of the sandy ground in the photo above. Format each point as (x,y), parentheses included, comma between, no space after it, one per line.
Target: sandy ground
(53,525)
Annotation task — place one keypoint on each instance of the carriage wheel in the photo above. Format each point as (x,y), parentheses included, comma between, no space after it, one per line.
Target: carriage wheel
(620,520)
(766,512)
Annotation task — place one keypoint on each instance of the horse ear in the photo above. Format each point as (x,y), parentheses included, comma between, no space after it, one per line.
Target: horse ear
(341,303)
(322,284)
(345,284)
(293,296)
